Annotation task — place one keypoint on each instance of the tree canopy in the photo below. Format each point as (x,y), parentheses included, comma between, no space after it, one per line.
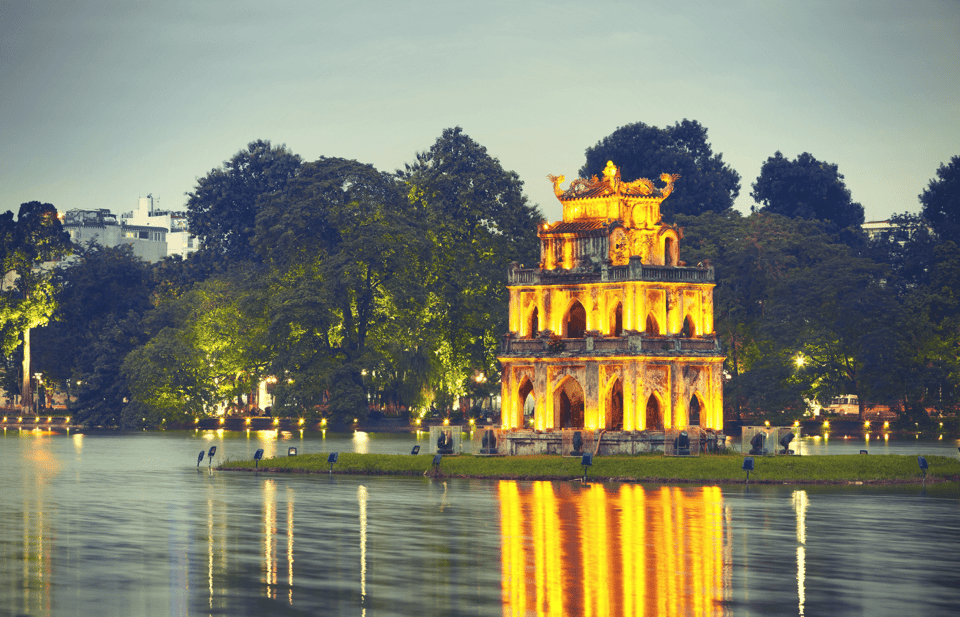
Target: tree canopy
(806,188)
(222,208)
(641,151)
(940,201)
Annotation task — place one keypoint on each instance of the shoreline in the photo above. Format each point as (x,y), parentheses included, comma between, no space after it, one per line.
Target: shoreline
(831,469)
(606,479)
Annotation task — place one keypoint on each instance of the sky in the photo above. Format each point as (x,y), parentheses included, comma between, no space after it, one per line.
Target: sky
(103,102)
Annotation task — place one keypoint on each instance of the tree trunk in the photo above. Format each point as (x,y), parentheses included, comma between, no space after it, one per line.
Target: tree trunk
(26,392)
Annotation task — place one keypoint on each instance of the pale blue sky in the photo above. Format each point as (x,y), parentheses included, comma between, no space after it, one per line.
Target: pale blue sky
(103,102)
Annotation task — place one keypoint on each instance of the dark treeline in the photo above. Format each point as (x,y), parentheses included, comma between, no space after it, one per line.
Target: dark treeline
(347,287)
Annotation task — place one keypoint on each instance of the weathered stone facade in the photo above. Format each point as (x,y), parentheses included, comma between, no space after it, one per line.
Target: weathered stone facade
(611,332)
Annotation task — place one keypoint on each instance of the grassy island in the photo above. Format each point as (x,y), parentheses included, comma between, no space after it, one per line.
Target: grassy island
(833,469)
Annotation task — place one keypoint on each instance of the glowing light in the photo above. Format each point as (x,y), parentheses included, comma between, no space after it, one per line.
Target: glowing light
(767,423)
(886,436)
(796,422)
(301,421)
(886,425)
(247,421)
(323,422)
(799,360)
(221,420)
(867,424)
(446,421)
(49,419)
(276,421)
(826,424)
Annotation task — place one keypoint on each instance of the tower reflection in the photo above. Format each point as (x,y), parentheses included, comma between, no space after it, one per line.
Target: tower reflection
(607,550)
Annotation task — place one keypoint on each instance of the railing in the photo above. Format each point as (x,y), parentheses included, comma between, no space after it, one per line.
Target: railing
(615,344)
(674,274)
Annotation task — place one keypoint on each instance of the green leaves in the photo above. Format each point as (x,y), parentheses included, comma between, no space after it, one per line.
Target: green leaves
(641,151)
(806,188)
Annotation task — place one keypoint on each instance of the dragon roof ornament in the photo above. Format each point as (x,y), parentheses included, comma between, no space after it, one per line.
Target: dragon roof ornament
(611,184)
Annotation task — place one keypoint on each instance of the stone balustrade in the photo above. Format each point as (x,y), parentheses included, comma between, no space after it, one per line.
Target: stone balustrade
(630,344)
(633,272)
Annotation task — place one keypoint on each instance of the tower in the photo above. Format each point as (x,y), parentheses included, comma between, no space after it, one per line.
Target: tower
(611,331)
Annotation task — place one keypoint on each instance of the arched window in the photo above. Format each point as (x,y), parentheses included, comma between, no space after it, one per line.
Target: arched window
(694,411)
(576,322)
(654,414)
(526,399)
(569,404)
(616,406)
(616,328)
(669,252)
(688,329)
(534,323)
(652,327)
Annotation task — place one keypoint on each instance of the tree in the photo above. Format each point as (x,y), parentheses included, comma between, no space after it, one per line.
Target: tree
(36,237)
(205,348)
(846,329)
(478,221)
(344,246)
(97,283)
(941,201)
(222,208)
(806,188)
(752,256)
(641,151)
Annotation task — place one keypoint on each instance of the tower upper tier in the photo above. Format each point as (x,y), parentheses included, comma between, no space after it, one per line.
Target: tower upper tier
(608,221)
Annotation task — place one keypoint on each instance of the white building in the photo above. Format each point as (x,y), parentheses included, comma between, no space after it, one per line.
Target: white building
(149,243)
(179,240)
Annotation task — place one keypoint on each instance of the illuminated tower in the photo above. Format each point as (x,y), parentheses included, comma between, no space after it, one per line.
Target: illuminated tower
(611,331)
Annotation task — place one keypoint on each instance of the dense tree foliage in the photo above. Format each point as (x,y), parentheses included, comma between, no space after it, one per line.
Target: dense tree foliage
(222,208)
(642,151)
(806,188)
(349,289)
(342,240)
(478,221)
(36,236)
(102,294)
(940,201)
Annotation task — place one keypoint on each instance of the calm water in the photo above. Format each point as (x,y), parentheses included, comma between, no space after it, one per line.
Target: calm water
(128,525)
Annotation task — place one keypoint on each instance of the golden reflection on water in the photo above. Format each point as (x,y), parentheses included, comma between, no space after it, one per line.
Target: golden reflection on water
(609,550)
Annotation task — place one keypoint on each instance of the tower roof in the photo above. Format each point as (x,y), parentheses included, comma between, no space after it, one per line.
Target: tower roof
(609,197)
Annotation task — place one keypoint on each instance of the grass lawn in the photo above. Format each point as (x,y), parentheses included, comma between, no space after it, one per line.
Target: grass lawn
(655,468)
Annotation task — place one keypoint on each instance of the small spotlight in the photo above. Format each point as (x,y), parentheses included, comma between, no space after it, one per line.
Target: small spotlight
(257,456)
(200,458)
(748,466)
(332,460)
(291,451)
(415,451)
(923,466)
(213,450)
(586,461)
(864,452)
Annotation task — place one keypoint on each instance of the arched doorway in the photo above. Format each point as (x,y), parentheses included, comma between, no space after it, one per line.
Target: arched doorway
(695,408)
(616,406)
(669,252)
(569,404)
(688,330)
(576,323)
(524,398)
(616,327)
(654,414)
(652,327)
(534,323)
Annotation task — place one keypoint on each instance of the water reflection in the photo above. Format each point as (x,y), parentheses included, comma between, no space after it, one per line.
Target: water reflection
(602,550)
(125,531)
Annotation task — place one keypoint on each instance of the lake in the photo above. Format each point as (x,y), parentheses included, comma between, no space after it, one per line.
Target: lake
(128,524)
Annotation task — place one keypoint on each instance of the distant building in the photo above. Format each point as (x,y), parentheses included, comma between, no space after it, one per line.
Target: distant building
(179,240)
(153,234)
(885,230)
(102,227)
